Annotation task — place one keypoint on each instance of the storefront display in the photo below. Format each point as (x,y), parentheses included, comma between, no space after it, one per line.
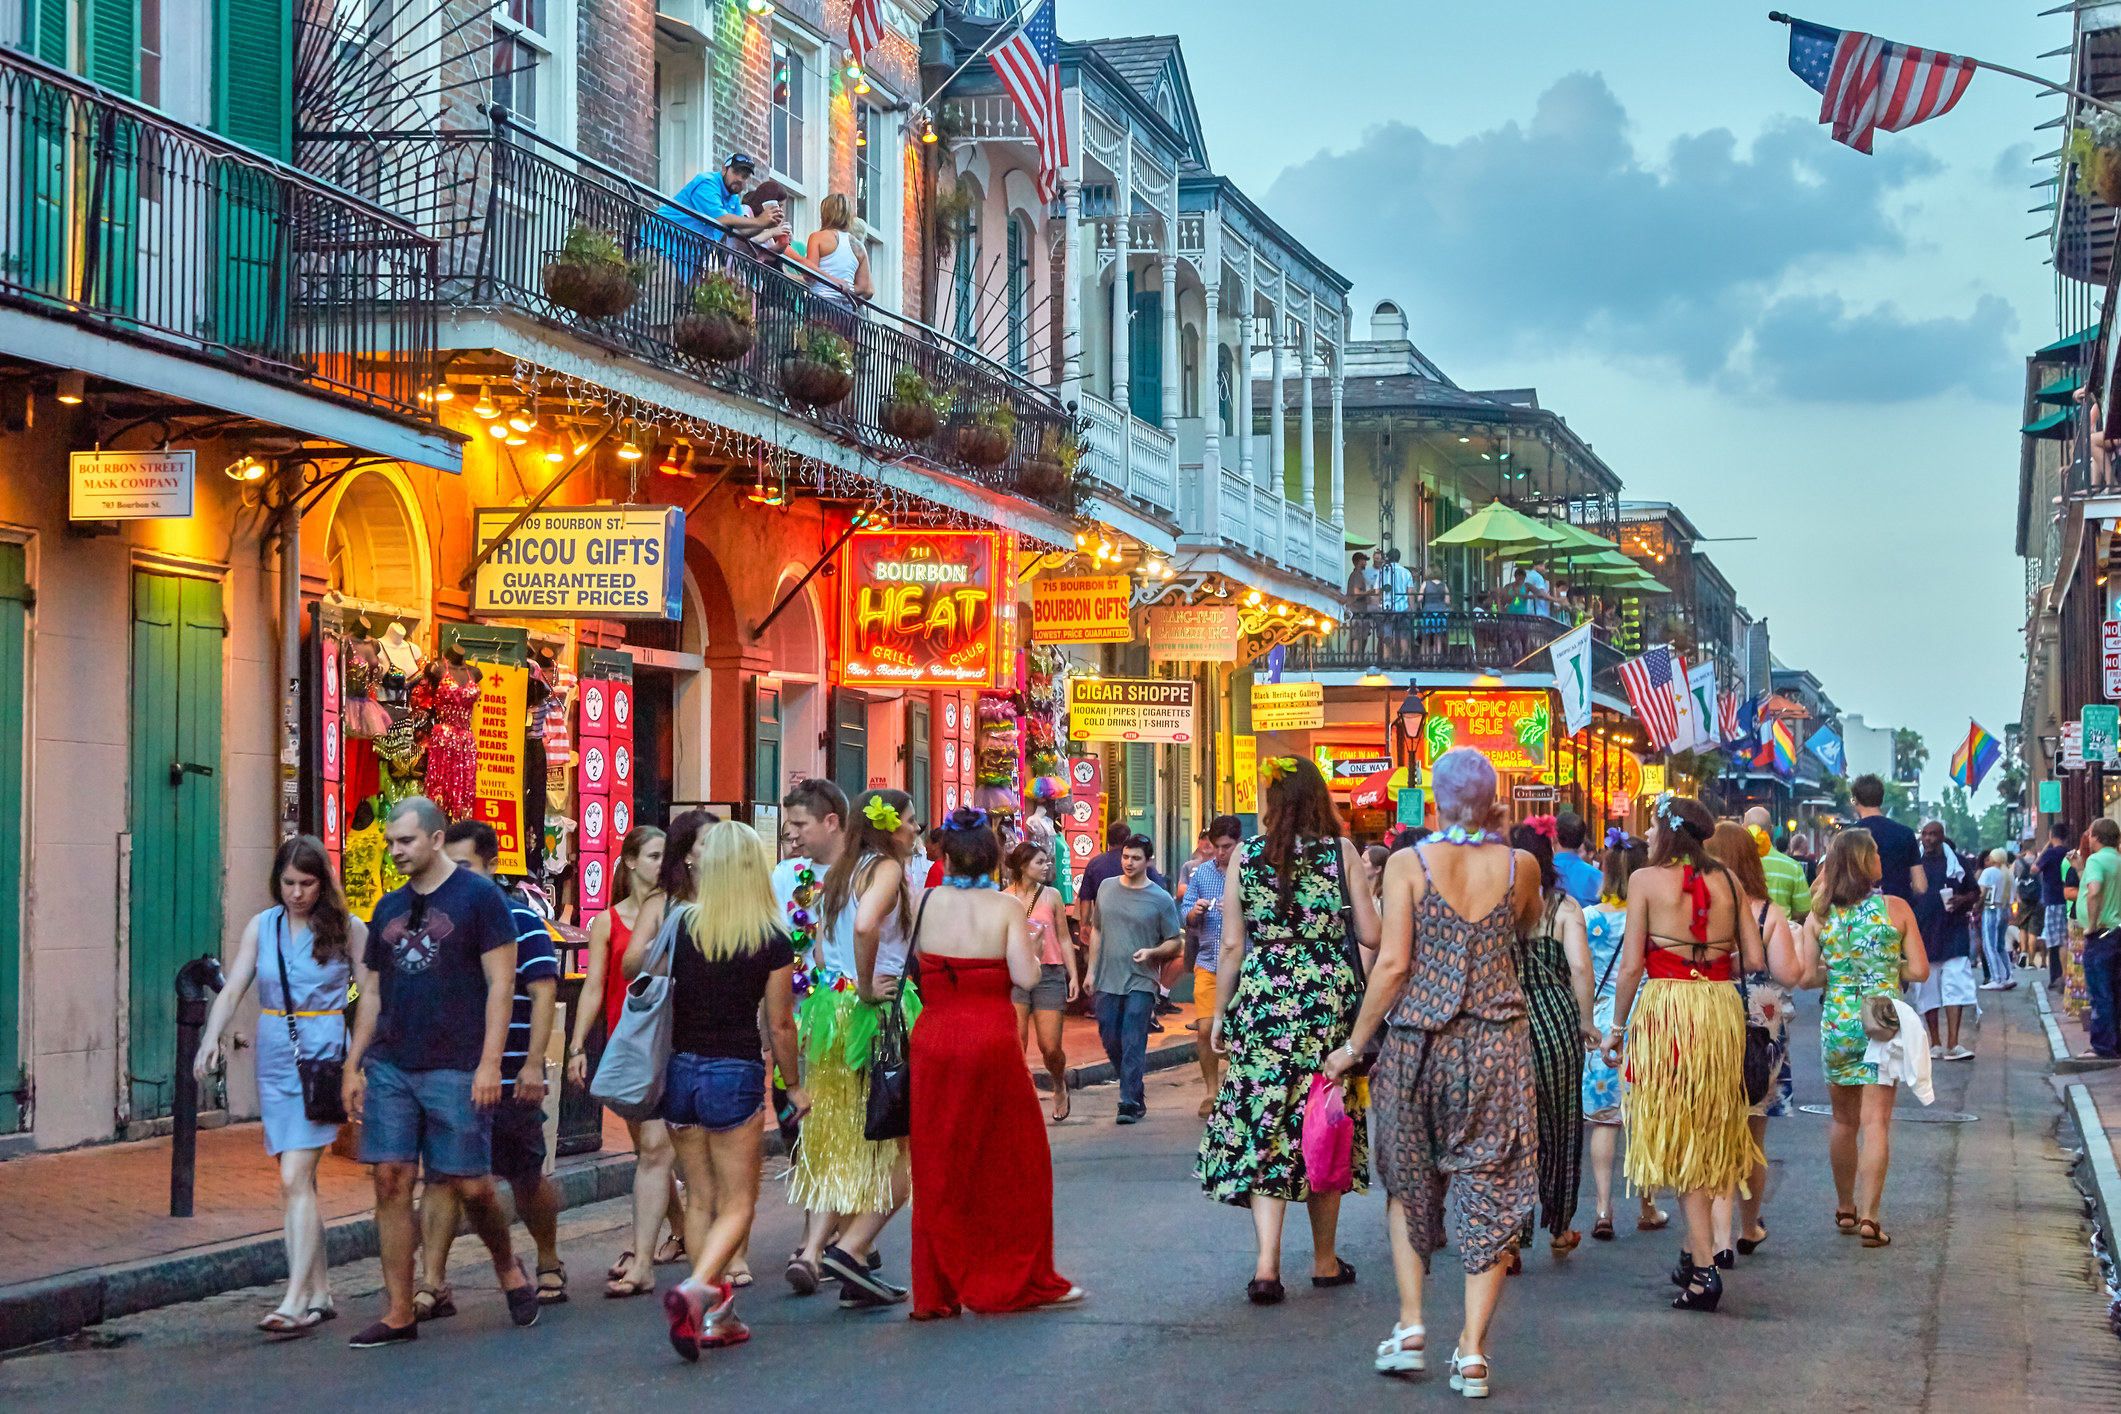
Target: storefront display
(604,776)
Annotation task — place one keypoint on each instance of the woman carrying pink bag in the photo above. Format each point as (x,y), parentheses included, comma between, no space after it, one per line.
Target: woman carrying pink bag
(1329,1138)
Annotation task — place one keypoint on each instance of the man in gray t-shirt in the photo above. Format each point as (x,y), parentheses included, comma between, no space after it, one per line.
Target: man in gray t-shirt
(1135,929)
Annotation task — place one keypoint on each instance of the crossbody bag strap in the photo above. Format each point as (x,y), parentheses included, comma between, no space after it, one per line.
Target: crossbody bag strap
(287,992)
(1613,961)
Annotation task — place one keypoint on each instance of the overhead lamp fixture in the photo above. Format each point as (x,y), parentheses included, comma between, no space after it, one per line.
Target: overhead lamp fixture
(515,438)
(762,8)
(247,468)
(1252,600)
(484,406)
(523,419)
(1325,625)
(1373,676)
(73,385)
(1165,571)
(628,452)
(927,129)
(499,429)
(1465,439)
(1082,541)
(861,85)
(555,455)
(443,393)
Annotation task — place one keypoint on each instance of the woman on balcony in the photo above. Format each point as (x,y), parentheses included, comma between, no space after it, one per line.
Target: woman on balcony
(835,254)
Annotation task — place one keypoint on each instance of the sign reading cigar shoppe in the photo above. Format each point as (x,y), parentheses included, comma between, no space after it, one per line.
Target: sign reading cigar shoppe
(1086,608)
(582,562)
(1130,709)
(129,485)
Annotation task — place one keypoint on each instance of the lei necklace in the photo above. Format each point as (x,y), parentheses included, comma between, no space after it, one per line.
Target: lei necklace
(969,881)
(801,929)
(1459,834)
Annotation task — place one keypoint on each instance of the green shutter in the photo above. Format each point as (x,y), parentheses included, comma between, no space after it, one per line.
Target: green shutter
(112,45)
(176,820)
(765,743)
(44,29)
(42,238)
(14,642)
(253,58)
(1145,353)
(1141,787)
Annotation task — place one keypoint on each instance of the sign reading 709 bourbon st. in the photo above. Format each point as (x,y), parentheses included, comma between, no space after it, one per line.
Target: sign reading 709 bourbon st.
(1131,709)
(582,562)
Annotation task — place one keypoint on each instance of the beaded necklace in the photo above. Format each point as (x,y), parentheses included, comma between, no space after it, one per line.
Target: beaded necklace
(801,925)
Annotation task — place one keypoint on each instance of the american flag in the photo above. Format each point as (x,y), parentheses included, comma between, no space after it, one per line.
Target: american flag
(865,29)
(1867,83)
(1029,65)
(1648,680)
(1727,717)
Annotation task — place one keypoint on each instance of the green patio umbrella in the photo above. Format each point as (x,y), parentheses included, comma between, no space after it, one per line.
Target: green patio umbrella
(1497,527)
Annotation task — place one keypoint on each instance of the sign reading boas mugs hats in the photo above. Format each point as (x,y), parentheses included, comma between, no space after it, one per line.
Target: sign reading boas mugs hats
(129,485)
(582,562)
(1131,709)
(1288,706)
(1086,608)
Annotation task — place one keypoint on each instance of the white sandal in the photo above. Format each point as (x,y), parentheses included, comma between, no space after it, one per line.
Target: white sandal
(1396,1357)
(1471,1386)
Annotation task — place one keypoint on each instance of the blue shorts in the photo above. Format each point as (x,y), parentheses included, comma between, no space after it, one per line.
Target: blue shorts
(713,1092)
(413,1115)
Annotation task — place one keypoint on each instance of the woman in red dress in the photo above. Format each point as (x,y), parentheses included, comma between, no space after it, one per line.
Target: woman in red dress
(982,1174)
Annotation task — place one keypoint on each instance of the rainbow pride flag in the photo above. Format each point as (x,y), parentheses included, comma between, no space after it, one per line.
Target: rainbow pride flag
(1783,737)
(1974,757)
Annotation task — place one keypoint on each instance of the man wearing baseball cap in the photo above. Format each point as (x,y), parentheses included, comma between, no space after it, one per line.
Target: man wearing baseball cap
(713,202)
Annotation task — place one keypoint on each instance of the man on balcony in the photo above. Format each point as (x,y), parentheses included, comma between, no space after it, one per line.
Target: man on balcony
(712,203)
(1394,584)
(1361,601)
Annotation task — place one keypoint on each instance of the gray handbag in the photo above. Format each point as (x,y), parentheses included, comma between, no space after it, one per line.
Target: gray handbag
(629,1078)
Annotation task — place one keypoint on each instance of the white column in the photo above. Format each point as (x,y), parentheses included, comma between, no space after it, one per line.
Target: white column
(1071,369)
(1277,449)
(1307,464)
(1120,372)
(1211,455)
(1169,300)
(1340,466)
(1243,412)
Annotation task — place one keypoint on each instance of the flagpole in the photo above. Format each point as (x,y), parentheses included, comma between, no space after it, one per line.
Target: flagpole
(1781,19)
(980,50)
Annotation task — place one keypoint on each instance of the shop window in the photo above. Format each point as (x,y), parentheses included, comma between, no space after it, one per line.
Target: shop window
(372,550)
(868,164)
(1020,247)
(790,79)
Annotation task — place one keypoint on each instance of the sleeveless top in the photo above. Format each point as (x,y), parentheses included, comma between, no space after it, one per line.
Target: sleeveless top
(1460,966)
(319,987)
(1046,931)
(1861,949)
(1314,913)
(1541,959)
(614,979)
(840,262)
(835,943)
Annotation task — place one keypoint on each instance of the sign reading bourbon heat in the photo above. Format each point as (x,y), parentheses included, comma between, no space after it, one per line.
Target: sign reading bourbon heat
(918,608)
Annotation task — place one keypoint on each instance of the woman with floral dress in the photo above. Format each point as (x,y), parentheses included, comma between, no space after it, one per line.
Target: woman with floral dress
(1287,989)
(1606,925)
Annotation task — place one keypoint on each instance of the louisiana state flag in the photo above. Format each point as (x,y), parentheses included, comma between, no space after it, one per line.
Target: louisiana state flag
(1974,757)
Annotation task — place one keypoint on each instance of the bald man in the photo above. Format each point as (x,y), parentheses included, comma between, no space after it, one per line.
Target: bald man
(1785,876)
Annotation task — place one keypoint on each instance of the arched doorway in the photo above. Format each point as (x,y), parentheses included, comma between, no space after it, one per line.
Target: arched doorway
(373,550)
(795,644)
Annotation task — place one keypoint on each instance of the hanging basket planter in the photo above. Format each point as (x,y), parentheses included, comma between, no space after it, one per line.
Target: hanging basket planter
(2106,176)
(593,287)
(814,383)
(983,446)
(717,338)
(909,422)
(1041,476)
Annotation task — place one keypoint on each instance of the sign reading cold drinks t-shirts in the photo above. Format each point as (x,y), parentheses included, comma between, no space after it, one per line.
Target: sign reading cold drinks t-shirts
(583,562)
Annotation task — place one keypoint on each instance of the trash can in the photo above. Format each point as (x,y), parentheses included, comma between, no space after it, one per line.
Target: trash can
(581,1118)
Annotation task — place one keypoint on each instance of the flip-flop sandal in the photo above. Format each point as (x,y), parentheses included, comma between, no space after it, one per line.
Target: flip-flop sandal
(1067,1099)
(740,1280)
(1872,1234)
(672,1250)
(618,1288)
(280,1323)
(1602,1230)
(555,1293)
(324,1313)
(433,1303)
(1845,1221)
(1658,1223)
(618,1269)
(802,1275)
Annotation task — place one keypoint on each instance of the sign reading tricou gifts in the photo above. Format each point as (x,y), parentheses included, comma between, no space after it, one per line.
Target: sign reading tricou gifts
(582,562)
(1084,608)
(919,608)
(129,485)
(1131,709)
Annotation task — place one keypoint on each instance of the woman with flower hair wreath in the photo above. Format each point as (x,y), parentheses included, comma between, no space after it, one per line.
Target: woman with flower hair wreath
(864,925)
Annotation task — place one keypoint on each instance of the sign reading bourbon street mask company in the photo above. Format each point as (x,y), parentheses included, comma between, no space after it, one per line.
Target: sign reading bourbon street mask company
(1131,709)
(1082,608)
(582,562)
(129,485)
(918,608)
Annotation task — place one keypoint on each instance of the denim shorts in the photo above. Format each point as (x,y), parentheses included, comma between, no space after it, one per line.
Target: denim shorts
(713,1092)
(414,1115)
(1048,993)
(518,1137)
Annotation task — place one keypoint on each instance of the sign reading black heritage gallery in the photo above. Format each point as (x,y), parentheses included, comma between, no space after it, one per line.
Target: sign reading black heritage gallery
(583,562)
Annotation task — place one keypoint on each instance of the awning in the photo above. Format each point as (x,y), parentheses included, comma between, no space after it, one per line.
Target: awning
(2062,390)
(2069,345)
(2054,426)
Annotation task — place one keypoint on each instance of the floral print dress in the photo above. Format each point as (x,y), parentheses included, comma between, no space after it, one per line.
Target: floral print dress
(1861,949)
(1606,923)
(1297,996)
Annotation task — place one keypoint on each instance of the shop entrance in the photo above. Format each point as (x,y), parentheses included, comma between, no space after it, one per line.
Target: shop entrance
(850,742)
(178,631)
(14,644)
(654,743)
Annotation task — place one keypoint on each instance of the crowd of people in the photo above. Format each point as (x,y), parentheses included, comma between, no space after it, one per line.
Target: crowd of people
(1484,1016)
(1389,606)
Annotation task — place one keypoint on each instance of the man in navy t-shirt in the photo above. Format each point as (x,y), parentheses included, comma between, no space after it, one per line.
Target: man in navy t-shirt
(519,1120)
(1899,854)
(2054,905)
(423,1070)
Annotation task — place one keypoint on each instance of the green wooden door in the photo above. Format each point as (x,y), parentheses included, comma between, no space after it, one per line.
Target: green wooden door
(850,742)
(14,642)
(1145,353)
(1140,759)
(176,814)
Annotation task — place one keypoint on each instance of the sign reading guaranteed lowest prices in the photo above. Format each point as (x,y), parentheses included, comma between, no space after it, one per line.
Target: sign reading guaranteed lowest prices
(1130,709)
(1288,706)
(583,562)
(1089,608)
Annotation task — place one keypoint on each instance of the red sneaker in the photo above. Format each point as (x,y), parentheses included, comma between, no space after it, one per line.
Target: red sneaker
(683,1308)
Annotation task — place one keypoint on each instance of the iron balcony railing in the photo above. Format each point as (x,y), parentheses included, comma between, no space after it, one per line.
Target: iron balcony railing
(116,217)
(505,202)
(1446,642)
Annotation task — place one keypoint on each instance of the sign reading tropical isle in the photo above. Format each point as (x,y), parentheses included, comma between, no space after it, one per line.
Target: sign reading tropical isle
(582,562)
(917,608)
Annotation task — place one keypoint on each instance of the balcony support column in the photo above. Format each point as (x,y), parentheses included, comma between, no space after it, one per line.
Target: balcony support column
(1170,339)
(1244,383)
(1277,415)
(1211,452)
(1120,374)
(1340,465)
(1071,369)
(1307,455)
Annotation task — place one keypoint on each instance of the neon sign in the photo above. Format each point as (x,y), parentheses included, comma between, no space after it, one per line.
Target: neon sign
(918,608)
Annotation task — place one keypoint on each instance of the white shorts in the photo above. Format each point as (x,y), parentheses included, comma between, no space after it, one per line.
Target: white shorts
(1951,983)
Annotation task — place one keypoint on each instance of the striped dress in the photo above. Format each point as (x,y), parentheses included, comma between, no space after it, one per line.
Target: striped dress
(1557,1068)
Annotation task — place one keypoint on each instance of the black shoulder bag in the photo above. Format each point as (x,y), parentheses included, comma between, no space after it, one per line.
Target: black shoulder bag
(1761,1058)
(322,1101)
(890,1110)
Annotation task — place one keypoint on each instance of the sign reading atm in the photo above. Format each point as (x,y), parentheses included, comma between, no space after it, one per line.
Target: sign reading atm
(918,608)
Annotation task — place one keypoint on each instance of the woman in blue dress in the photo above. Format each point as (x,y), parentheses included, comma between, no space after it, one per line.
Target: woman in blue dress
(1606,922)
(308,939)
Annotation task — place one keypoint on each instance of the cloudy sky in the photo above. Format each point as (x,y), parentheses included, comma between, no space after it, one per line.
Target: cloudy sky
(1632,207)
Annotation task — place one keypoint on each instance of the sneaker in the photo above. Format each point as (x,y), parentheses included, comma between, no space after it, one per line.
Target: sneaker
(1994,986)
(681,1303)
(726,1331)
(381,1334)
(861,1298)
(859,1287)
(1167,1007)
(1131,1114)
(523,1306)
(1936,1053)
(1156,1028)
(1958,1053)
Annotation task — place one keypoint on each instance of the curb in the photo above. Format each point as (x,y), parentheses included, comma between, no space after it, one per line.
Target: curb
(50,1308)
(2058,1046)
(1169,1057)
(2098,1172)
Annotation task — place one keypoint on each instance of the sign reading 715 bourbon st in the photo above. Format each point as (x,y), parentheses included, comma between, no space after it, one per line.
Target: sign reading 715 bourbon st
(1084,608)
(582,562)
(1131,709)
(918,608)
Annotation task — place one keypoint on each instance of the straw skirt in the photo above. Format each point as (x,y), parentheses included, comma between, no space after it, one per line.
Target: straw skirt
(1685,1105)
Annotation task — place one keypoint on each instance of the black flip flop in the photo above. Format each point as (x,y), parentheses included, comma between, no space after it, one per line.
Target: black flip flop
(1344,1277)
(1264,1293)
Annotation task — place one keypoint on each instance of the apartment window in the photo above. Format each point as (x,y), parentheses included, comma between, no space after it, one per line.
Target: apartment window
(151,53)
(868,164)
(1189,371)
(790,80)
(1020,245)
(963,293)
(520,48)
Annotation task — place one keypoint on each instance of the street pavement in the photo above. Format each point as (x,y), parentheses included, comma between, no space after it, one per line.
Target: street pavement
(1987,1301)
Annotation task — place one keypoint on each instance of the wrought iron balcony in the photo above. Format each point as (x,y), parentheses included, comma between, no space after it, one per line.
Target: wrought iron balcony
(505,203)
(116,217)
(1479,642)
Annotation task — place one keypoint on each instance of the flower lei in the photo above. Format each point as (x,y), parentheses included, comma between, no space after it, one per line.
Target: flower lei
(969,881)
(1459,834)
(801,926)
